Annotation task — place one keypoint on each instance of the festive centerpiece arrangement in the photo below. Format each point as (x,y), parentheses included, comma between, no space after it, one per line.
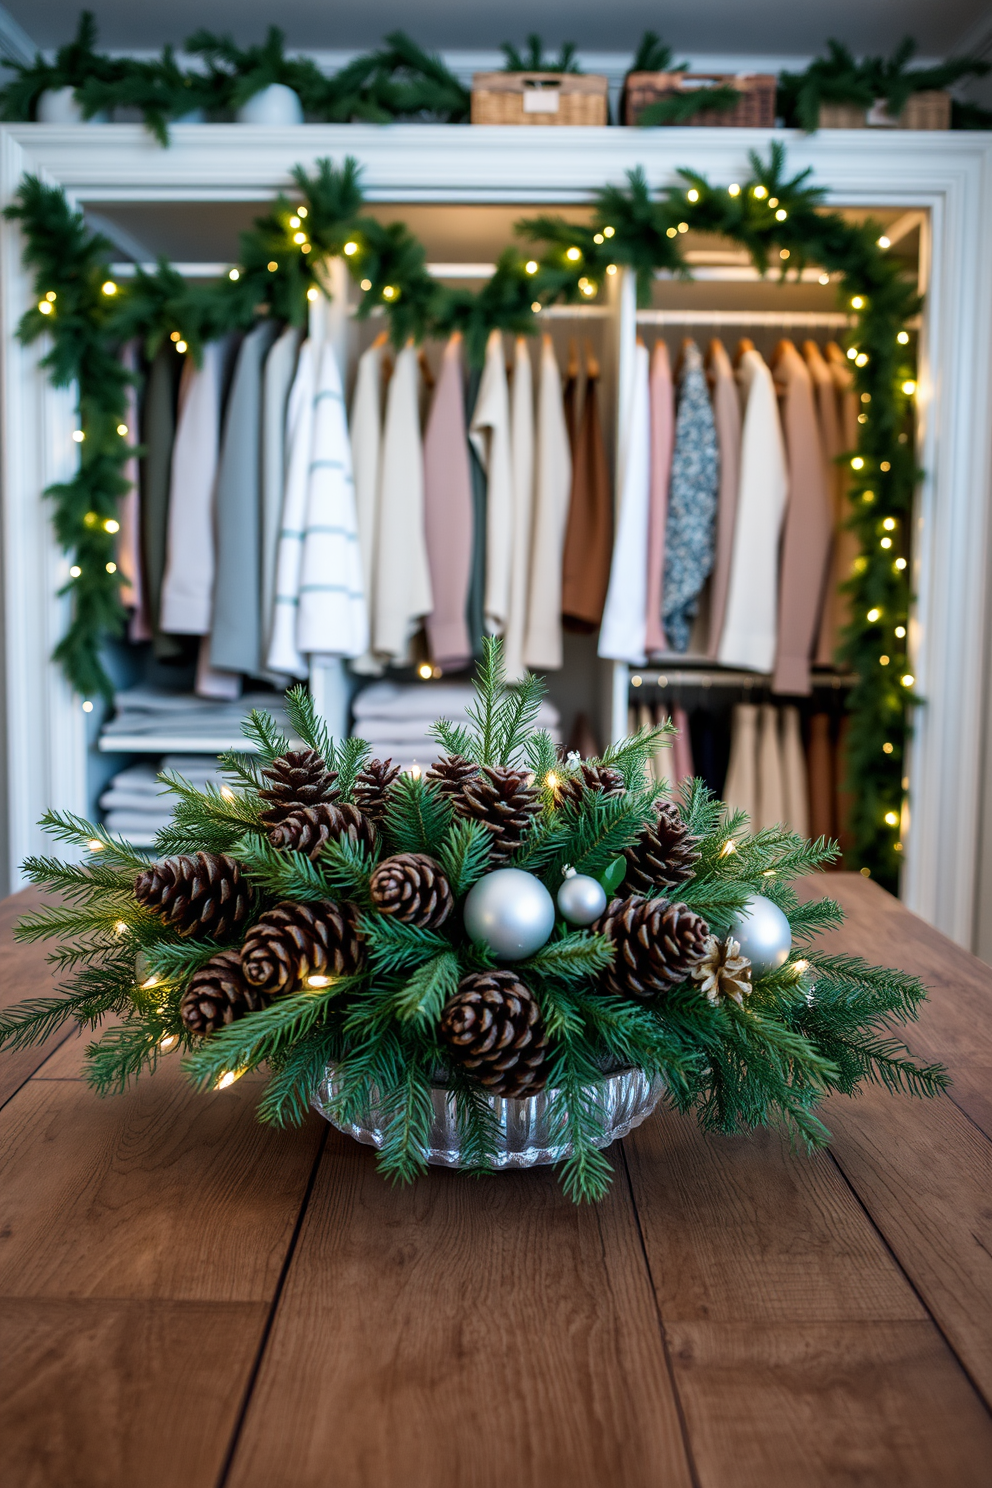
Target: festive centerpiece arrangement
(506,959)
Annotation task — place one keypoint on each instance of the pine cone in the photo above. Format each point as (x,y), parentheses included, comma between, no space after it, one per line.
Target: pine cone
(723,971)
(298,779)
(665,855)
(504,800)
(493,1027)
(412,887)
(218,994)
(601,779)
(202,892)
(308,829)
(657,945)
(451,772)
(372,788)
(294,941)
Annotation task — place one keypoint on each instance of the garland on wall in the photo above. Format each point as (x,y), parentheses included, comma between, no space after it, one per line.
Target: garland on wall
(400,80)
(780,221)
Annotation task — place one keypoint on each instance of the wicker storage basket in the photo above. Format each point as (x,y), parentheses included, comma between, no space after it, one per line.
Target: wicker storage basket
(539,98)
(931,110)
(755,109)
(843,116)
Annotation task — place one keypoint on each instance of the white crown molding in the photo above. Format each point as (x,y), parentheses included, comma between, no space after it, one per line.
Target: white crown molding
(15,43)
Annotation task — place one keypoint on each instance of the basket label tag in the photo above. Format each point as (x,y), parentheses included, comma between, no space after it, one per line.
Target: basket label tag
(540,100)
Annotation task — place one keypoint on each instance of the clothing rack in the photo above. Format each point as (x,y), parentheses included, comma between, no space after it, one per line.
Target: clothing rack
(727,678)
(835,319)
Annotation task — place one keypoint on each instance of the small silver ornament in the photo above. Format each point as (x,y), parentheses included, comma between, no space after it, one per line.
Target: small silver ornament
(511,912)
(763,934)
(581,899)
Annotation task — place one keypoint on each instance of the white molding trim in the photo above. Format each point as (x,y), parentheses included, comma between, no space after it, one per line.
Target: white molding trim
(947,176)
(15,43)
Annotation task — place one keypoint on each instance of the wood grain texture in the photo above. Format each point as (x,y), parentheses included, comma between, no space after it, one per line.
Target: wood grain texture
(462,1334)
(24,972)
(158,1193)
(110,1394)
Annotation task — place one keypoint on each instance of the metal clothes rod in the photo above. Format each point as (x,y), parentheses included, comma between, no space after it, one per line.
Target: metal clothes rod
(726,679)
(192,270)
(834,318)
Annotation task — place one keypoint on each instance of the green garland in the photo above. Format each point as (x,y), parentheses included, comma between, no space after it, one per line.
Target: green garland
(818,1024)
(767,213)
(840,77)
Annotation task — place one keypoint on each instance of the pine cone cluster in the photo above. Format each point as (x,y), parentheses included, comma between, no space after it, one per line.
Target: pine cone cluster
(196,893)
(666,853)
(413,887)
(657,945)
(503,800)
(493,1027)
(309,828)
(296,780)
(294,941)
(451,773)
(601,780)
(219,993)
(723,972)
(372,788)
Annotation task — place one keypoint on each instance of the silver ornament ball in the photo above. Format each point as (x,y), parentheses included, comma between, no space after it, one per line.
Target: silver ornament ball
(581,899)
(511,912)
(762,932)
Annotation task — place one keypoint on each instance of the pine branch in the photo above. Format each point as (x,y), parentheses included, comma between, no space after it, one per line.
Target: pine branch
(288,1094)
(268,1034)
(428,989)
(479,1129)
(393,946)
(93,880)
(631,756)
(311,727)
(464,854)
(351,757)
(573,959)
(261,730)
(37,1018)
(576,1116)
(453,738)
(541,755)
(485,713)
(65,826)
(516,717)
(409,1109)
(418,817)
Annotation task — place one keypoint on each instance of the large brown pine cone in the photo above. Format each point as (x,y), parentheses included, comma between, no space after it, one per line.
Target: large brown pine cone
(218,994)
(412,886)
(307,830)
(666,853)
(450,773)
(600,779)
(197,893)
(297,779)
(657,945)
(504,800)
(294,941)
(493,1027)
(372,788)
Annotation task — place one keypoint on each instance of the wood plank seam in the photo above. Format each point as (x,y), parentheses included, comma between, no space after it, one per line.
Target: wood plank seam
(33,1074)
(683,1424)
(909,1280)
(273,1309)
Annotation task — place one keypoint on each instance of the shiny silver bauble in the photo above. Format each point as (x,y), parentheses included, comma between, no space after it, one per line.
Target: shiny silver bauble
(511,912)
(581,899)
(763,934)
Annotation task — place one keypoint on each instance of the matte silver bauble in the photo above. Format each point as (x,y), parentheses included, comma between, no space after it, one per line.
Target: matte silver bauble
(581,899)
(511,912)
(762,932)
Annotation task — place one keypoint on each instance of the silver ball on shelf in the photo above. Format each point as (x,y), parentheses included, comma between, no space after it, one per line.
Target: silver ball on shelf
(763,934)
(511,912)
(581,899)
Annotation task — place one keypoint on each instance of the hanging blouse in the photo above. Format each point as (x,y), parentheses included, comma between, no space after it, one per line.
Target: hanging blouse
(522,464)
(662,402)
(749,625)
(796,787)
(832,445)
(622,636)
(727,417)
(846,547)
(771,807)
(158,432)
(280,366)
(284,655)
(448,514)
(187,588)
(490,434)
(589,532)
(553,479)
(691,502)
(128,554)
(822,818)
(740,790)
(402,577)
(332,618)
(806,535)
(366,454)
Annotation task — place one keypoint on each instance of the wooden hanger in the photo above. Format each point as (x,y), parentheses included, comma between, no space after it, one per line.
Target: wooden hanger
(743,345)
(783,346)
(425,370)
(572,370)
(380,340)
(592,361)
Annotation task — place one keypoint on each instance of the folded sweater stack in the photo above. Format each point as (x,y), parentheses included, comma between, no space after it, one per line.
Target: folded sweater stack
(396,719)
(144,713)
(138,805)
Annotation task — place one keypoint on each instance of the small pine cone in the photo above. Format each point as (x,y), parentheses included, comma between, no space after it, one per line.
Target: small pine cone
(412,887)
(723,971)
(601,779)
(297,779)
(294,941)
(451,772)
(493,1027)
(219,994)
(197,893)
(372,788)
(665,855)
(657,945)
(504,800)
(307,830)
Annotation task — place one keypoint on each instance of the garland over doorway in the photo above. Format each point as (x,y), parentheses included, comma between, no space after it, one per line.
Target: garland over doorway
(781,223)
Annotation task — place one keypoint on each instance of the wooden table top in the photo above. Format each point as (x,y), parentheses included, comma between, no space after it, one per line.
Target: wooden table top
(190,1299)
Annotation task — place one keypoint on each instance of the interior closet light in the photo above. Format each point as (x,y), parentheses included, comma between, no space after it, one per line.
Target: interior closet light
(294,221)
(874,615)
(861,360)
(884,242)
(781,215)
(886,542)
(608,232)
(181,346)
(573,254)
(425,670)
(111,526)
(761,192)
(234,274)
(733,189)
(889,524)
(852,352)
(313,293)
(900,631)
(78,435)
(45,307)
(892,818)
(366,284)
(909,387)
(900,564)
(683,227)
(531,266)
(350,248)
(75,571)
(773,201)
(903,338)
(611,268)
(693,195)
(109,287)
(598,238)
(857,463)
(111,567)
(122,429)
(302,211)
(51,296)
(857,303)
(908,680)
(299,237)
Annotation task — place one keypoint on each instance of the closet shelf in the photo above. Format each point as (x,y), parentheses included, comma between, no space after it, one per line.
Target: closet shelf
(175,743)
(835,319)
(701,675)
